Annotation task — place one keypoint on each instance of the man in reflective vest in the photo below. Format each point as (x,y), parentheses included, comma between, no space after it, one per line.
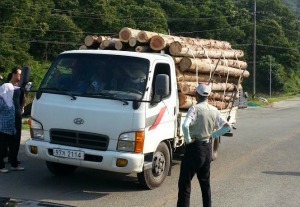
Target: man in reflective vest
(201,121)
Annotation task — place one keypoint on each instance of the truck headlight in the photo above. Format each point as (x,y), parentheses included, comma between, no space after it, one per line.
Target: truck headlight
(36,129)
(131,142)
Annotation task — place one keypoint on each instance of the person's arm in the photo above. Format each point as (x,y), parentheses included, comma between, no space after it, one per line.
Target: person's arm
(222,127)
(186,130)
(186,125)
(226,128)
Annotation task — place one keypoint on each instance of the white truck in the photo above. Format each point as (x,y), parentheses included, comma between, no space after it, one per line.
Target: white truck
(126,129)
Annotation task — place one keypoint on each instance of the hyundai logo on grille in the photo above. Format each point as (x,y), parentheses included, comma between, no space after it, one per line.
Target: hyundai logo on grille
(78,121)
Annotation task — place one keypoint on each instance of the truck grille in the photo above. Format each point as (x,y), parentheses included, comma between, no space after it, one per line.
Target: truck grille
(79,139)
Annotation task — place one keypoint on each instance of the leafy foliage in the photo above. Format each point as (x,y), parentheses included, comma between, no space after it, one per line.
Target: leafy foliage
(33,32)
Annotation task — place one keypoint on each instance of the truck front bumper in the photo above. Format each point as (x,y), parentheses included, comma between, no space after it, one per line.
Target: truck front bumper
(102,160)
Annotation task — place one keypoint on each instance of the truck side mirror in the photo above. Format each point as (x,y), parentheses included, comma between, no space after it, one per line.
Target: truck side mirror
(25,76)
(162,85)
(28,86)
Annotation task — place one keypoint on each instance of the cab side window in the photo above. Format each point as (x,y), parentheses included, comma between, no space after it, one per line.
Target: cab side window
(160,68)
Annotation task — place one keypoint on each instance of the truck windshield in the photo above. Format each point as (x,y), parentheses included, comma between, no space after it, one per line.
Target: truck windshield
(97,75)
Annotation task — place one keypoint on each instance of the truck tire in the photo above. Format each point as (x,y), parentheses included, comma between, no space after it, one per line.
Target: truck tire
(214,148)
(154,177)
(60,169)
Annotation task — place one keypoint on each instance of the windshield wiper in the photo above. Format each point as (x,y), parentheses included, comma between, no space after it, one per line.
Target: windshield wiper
(73,97)
(109,96)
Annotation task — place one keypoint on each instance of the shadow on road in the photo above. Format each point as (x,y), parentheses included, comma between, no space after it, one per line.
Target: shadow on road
(282,173)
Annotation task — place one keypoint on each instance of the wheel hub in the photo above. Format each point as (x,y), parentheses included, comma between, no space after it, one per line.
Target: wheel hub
(159,164)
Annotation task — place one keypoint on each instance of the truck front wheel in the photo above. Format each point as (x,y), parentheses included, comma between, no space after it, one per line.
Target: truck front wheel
(154,177)
(60,169)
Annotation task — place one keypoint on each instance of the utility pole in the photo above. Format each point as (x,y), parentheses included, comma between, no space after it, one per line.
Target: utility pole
(270,76)
(254,48)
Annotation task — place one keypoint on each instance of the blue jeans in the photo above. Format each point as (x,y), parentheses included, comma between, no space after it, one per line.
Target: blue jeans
(196,160)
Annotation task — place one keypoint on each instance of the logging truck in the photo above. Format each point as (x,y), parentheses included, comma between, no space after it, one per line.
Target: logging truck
(129,124)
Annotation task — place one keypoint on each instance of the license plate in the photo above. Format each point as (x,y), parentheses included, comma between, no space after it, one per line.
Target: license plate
(68,153)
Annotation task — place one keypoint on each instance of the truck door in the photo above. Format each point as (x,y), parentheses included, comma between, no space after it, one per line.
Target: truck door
(161,116)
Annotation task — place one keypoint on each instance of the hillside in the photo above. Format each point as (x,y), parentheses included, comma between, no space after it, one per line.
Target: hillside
(293,5)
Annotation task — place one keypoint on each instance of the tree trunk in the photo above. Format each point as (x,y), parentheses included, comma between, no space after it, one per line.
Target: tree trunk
(186,101)
(108,43)
(132,41)
(202,77)
(204,67)
(145,36)
(188,62)
(187,50)
(143,49)
(160,41)
(126,33)
(100,39)
(221,96)
(83,47)
(177,59)
(119,45)
(91,41)
(190,87)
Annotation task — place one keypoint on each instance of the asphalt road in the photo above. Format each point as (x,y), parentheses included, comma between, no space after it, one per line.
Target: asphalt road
(258,167)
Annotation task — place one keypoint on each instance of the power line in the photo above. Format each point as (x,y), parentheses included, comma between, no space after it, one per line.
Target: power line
(272,46)
(58,31)
(42,41)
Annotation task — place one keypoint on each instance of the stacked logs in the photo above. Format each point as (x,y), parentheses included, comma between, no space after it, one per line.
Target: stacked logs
(196,60)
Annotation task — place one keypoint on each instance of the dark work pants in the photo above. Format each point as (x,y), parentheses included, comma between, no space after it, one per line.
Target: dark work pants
(18,126)
(8,141)
(196,160)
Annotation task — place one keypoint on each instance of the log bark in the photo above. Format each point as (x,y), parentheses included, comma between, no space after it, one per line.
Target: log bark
(108,44)
(188,62)
(119,45)
(191,77)
(100,38)
(143,49)
(145,36)
(190,87)
(202,77)
(132,41)
(83,47)
(177,59)
(219,96)
(126,33)
(204,67)
(160,41)
(231,63)
(186,101)
(187,50)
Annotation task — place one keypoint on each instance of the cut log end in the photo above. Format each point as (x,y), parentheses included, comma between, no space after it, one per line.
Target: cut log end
(175,48)
(142,37)
(90,40)
(132,42)
(83,47)
(157,43)
(125,34)
(118,45)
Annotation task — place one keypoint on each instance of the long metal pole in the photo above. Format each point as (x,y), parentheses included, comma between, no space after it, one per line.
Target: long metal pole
(254,48)
(270,77)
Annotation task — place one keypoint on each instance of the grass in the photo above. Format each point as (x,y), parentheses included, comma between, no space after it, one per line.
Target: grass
(276,98)
(25,125)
